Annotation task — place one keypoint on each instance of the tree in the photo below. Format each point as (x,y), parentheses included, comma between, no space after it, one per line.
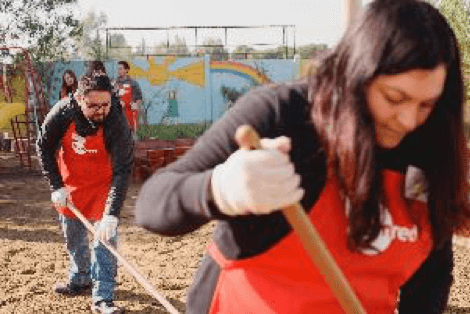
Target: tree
(157,99)
(91,43)
(215,48)
(48,29)
(242,52)
(457,13)
(118,47)
(177,47)
(274,53)
(231,95)
(310,50)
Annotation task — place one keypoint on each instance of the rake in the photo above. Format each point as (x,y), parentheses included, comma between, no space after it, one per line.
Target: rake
(128,266)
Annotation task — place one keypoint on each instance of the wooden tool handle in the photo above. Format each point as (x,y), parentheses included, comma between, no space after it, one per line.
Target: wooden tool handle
(128,266)
(311,240)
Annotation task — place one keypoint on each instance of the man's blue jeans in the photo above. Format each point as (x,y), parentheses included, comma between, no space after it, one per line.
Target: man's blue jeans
(99,267)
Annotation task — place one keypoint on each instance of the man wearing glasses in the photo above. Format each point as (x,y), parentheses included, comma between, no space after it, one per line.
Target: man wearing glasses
(86,152)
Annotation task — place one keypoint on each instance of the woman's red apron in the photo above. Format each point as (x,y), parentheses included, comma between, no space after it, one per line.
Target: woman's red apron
(284,279)
(86,170)
(126,97)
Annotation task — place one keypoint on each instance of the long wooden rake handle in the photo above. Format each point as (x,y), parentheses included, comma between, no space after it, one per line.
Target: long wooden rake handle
(129,267)
(247,138)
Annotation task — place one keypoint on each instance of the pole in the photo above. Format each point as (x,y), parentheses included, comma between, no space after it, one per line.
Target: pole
(108,42)
(195,41)
(247,138)
(294,41)
(350,9)
(129,267)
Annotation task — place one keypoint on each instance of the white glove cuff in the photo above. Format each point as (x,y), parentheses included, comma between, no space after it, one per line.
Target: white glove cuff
(217,180)
(59,196)
(109,220)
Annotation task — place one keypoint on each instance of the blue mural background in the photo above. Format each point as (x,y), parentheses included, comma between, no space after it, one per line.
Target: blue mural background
(191,85)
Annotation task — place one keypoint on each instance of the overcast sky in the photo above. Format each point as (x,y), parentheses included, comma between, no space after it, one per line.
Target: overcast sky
(315,21)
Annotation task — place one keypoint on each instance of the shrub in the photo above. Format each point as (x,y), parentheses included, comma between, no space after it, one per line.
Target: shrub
(172,132)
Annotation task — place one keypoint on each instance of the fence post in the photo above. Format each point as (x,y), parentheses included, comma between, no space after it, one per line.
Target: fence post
(208,88)
(350,9)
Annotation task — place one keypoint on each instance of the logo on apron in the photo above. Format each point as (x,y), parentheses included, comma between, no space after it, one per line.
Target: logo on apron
(415,189)
(78,145)
(389,233)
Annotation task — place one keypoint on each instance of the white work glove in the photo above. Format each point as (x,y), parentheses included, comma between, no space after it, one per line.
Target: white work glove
(121,91)
(59,197)
(257,181)
(108,227)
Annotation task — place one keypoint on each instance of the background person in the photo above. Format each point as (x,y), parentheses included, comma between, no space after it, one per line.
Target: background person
(371,145)
(96,67)
(130,95)
(69,84)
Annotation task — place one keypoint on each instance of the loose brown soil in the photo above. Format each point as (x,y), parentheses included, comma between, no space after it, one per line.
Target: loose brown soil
(33,256)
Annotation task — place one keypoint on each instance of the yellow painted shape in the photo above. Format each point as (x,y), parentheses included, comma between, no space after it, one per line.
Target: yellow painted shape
(158,74)
(192,73)
(8,111)
(169,60)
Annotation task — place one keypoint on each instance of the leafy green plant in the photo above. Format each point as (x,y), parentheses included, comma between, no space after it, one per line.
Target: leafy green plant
(457,13)
(172,132)
(48,29)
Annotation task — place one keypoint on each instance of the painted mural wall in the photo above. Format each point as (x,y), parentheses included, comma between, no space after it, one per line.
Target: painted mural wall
(188,90)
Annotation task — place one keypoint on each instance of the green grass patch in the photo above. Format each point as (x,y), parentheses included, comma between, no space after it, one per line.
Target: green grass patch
(172,132)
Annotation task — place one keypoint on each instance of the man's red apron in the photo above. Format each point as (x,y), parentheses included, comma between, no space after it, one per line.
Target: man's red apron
(284,280)
(86,170)
(126,97)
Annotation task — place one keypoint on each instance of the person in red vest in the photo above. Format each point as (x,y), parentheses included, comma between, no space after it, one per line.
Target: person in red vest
(370,144)
(129,94)
(86,152)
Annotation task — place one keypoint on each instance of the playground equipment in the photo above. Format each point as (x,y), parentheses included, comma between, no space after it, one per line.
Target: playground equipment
(8,111)
(24,115)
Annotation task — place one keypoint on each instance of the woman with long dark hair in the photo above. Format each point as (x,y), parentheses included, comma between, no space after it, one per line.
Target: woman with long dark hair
(372,146)
(69,84)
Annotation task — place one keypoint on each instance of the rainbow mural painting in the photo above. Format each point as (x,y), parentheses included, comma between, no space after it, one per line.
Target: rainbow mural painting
(239,69)
(195,82)
(158,74)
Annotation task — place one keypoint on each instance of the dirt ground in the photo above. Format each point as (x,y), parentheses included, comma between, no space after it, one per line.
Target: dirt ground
(33,256)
